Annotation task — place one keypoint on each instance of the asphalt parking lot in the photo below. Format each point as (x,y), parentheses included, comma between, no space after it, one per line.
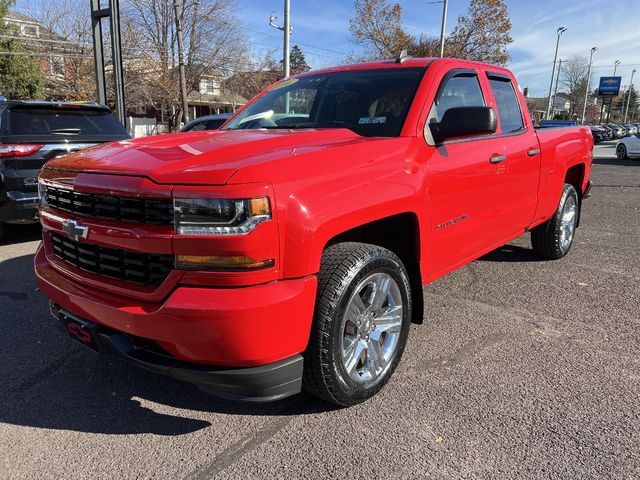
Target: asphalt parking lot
(523,369)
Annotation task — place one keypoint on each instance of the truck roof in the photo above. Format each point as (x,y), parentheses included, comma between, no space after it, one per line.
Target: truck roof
(407,62)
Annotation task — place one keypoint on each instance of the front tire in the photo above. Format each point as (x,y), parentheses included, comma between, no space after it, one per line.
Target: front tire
(553,239)
(621,151)
(361,323)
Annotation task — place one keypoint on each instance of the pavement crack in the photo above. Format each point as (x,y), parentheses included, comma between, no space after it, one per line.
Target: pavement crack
(40,376)
(243,446)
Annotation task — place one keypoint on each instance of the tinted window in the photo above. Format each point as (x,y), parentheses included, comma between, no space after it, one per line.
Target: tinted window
(62,121)
(508,107)
(369,102)
(459,91)
(215,124)
(194,127)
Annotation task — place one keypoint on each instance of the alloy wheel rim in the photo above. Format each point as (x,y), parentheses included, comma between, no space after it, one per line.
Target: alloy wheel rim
(621,152)
(567,223)
(371,327)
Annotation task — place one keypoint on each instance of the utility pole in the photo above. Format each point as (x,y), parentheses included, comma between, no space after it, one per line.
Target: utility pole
(615,69)
(555,90)
(183,78)
(444,26)
(626,110)
(586,93)
(287,34)
(560,31)
(286,30)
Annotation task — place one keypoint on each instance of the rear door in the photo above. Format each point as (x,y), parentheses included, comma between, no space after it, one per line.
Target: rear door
(521,175)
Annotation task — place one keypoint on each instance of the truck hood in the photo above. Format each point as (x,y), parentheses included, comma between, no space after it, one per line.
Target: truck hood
(209,157)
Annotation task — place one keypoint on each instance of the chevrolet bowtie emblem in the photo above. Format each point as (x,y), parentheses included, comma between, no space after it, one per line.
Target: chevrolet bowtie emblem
(74,231)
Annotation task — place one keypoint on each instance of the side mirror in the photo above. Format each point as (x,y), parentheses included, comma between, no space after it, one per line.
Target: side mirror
(463,121)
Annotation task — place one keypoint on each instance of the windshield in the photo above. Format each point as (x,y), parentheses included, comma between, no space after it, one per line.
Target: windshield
(368,102)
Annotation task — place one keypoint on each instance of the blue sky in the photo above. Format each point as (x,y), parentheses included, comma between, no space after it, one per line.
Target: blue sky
(321,27)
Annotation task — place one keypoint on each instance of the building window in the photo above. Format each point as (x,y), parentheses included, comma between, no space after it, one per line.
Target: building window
(57,65)
(209,85)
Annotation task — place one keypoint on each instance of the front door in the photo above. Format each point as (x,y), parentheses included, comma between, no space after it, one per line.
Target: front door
(467,180)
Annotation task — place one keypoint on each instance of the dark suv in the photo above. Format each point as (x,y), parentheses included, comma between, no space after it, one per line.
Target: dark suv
(32,133)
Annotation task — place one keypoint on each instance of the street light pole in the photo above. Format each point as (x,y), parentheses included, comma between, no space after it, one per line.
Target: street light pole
(626,110)
(560,31)
(444,25)
(615,69)
(586,93)
(555,90)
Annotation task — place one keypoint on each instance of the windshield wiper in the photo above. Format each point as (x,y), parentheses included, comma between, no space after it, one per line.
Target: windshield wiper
(65,131)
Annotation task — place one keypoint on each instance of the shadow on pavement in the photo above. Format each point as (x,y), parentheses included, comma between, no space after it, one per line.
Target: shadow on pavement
(628,162)
(49,381)
(21,233)
(511,253)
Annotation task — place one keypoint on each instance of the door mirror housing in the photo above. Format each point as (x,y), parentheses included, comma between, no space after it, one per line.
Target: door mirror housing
(464,121)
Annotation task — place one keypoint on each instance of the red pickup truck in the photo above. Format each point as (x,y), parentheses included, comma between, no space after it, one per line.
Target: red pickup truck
(289,249)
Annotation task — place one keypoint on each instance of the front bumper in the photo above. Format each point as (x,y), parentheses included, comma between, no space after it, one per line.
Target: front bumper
(264,383)
(236,328)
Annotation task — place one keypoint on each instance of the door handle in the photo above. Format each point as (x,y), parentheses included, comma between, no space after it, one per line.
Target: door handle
(498,158)
(533,152)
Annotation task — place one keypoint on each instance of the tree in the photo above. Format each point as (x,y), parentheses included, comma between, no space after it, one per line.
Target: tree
(68,23)
(251,77)
(212,42)
(377,26)
(297,62)
(483,34)
(20,75)
(573,78)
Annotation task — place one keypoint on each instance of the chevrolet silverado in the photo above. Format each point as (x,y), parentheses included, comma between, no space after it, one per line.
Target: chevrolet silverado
(289,249)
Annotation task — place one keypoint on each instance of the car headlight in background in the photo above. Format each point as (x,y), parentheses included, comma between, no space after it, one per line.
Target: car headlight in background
(42,193)
(219,216)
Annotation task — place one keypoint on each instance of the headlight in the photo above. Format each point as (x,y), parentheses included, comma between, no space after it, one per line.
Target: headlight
(197,216)
(42,193)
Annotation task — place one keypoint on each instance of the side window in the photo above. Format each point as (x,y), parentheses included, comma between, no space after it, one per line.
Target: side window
(461,90)
(507,102)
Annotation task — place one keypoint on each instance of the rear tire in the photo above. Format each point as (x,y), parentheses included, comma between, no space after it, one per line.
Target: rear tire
(621,151)
(1,231)
(361,323)
(553,239)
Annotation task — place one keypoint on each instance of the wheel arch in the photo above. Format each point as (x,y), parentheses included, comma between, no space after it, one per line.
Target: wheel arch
(575,176)
(399,233)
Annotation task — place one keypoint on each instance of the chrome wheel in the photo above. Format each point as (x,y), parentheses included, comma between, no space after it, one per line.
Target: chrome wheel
(568,223)
(371,328)
(621,152)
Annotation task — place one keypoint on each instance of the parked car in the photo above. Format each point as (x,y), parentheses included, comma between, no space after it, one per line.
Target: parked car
(289,250)
(628,147)
(609,132)
(207,122)
(32,133)
(598,133)
(618,131)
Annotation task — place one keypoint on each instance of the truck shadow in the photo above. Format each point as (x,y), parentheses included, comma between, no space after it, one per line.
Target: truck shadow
(628,162)
(511,253)
(51,382)
(14,234)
